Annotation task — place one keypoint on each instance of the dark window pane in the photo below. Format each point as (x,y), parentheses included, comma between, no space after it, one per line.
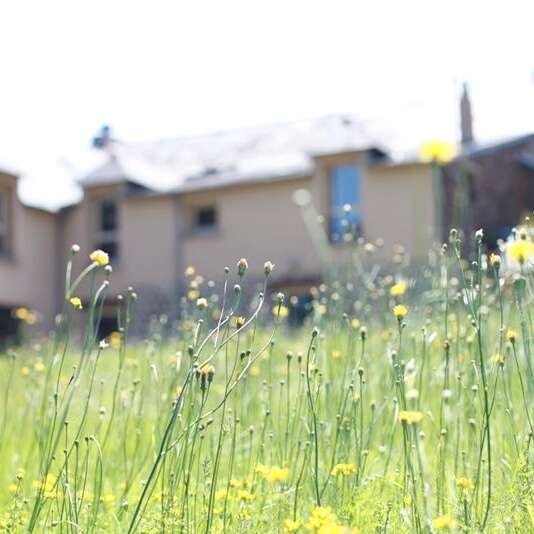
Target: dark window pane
(107,325)
(206,218)
(108,216)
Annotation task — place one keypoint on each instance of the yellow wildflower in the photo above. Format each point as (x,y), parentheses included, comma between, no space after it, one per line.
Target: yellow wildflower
(115,340)
(25,371)
(22,313)
(322,517)
(398,289)
(443,522)
(76,303)
(511,335)
(344,470)
(12,488)
(272,474)
(495,260)
(39,366)
(520,251)
(465,484)
(400,311)
(246,496)
(291,525)
(190,271)
(336,354)
(193,294)
(437,152)
(497,358)
(410,417)
(280,311)
(99,257)
(355,324)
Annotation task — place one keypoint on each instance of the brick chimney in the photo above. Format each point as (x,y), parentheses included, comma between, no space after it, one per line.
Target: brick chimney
(466,118)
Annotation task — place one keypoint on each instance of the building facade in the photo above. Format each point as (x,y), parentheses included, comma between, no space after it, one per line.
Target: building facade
(157,208)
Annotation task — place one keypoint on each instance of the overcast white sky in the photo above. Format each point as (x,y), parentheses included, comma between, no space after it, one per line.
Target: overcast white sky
(156,69)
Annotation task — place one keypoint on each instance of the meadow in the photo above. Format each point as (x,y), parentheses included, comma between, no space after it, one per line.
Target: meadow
(404,403)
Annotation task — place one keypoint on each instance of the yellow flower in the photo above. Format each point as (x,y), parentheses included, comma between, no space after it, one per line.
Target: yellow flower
(520,251)
(115,340)
(437,152)
(495,260)
(76,303)
(321,518)
(39,366)
(355,324)
(443,522)
(280,311)
(99,257)
(409,417)
(465,484)
(497,359)
(25,371)
(190,271)
(400,311)
(292,526)
(22,313)
(272,474)
(344,470)
(12,488)
(193,294)
(246,496)
(511,335)
(398,289)
(336,354)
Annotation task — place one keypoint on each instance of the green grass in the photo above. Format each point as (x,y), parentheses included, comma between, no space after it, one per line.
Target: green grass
(291,430)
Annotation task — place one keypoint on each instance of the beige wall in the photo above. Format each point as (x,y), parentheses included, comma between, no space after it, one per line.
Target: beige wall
(147,239)
(257,221)
(28,275)
(261,222)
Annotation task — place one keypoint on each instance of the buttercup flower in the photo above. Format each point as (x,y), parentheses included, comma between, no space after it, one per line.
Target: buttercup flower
(344,470)
(99,257)
(410,418)
(444,521)
(520,251)
(398,289)
(400,311)
(511,335)
(437,152)
(76,303)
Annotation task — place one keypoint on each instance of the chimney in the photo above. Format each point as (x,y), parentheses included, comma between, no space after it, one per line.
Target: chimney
(102,139)
(466,118)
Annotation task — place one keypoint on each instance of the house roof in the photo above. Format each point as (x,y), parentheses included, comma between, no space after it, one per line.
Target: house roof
(231,157)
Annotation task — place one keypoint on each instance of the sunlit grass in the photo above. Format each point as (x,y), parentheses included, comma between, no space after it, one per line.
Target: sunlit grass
(403,404)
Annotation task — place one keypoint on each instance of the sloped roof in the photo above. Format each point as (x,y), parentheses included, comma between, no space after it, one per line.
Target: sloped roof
(235,156)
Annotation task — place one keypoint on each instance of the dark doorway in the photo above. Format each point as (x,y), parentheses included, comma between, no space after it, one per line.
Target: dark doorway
(9,327)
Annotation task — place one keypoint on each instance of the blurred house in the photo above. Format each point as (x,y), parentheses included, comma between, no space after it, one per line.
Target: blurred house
(489,185)
(207,201)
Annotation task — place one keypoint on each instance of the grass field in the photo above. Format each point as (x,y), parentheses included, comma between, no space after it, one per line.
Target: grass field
(403,404)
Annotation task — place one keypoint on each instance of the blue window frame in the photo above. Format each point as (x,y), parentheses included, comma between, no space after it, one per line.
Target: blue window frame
(345,190)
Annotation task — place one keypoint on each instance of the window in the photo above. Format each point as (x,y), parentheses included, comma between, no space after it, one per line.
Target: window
(3,224)
(107,229)
(345,199)
(205,220)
